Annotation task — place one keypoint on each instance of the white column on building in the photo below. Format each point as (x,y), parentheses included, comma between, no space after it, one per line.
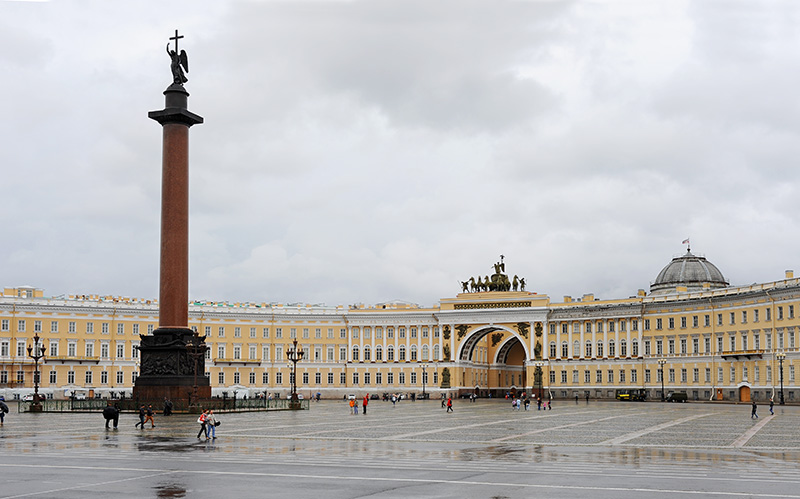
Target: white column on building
(605,339)
(628,329)
(545,340)
(616,340)
(582,326)
(570,352)
(594,340)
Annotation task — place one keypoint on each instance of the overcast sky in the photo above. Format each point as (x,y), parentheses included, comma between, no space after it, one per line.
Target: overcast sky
(373,151)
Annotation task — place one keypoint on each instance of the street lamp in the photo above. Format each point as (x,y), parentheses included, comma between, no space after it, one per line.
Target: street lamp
(294,355)
(537,375)
(424,378)
(196,349)
(781,355)
(661,363)
(36,352)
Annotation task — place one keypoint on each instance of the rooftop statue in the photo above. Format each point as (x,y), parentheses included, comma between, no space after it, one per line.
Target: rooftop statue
(180,61)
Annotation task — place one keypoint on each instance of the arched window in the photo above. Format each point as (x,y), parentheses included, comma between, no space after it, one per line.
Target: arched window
(355,353)
(367,353)
(600,349)
(401,353)
(564,349)
(425,352)
(576,349)
(635,347)
(623,347)
(553,349)
(436,352)
(413,352)
(611,348)
(390,353)
(378,352)
(588,351)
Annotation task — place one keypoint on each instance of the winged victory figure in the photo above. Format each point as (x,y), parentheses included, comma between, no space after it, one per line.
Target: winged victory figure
(178,60)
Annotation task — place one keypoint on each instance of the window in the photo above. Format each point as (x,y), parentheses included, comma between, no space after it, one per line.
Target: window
(54,349)
(695,321)
(4,325)
(744,316)
(120,377)
(623,348)
(265,332)
(367,379)
(413,332)
(599,348)
(104,350)
(342,354)
(318,333)
(401,353)
(658,324)
(390,378)
(733,318)
(53,326)
(413,378)
(355,353)
(684,349)
(588,348)
(647,375)
(622,376)
(253,334)
(683,322)
(552,349)
(293,333)
(390,353)
(635,347)
(768,314)
(401,332)
(21,325)
(755,315)
(53,377)
(780,315)
(88,376)
(252,378)
(564,349)
(305,333)
(610,375)
(647,324)
(103,377)
(367,353)
(611,349)
(575,376)
(221,378)
(279,378)
(552,377)
(672,323)
(599,376)
(696,345)
(71,349)
(70,377)
(413,352)
(305,378)
(89,349)
(563,376)
(37,326)
(708,375)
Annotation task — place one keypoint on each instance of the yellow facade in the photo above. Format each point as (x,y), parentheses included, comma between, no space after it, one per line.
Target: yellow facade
(722,344)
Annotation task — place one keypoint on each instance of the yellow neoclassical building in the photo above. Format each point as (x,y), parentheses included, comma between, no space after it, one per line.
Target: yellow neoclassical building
(691,332)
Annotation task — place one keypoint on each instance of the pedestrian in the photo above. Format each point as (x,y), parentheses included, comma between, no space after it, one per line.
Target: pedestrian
(142,413)
(394,399)
(771,405)
(449,404)
(203,427)
(352,405)
(527,403)
(149,417)
(211,424)
(549,405)
(444,402)
(587,397)
(538,404)
(3,409)
(111,413)
(167,407)
(755,410)
(364,403)
(576,399)
(355,406)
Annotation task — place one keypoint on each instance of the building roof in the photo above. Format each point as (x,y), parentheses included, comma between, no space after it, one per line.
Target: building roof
(688,271)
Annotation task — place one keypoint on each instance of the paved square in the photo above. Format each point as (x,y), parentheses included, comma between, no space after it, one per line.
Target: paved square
(414,449)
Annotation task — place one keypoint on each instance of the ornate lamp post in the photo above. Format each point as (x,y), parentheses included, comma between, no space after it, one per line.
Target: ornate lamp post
(36,352)
(424,378)
(781,356)
(661,363)
(196,349)
(294,355)
(537,376)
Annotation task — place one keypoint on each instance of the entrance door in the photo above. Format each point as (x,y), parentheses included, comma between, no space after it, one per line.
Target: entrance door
(744,394)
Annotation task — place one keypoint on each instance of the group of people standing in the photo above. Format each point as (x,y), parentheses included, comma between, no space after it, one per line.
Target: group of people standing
(354,405)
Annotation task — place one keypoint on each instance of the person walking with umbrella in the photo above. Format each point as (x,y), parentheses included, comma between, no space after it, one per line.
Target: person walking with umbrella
(3,410)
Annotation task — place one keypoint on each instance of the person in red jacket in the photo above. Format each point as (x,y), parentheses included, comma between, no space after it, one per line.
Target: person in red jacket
(364,403)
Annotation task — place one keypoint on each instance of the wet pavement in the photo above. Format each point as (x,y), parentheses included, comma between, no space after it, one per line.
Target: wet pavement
(414,449)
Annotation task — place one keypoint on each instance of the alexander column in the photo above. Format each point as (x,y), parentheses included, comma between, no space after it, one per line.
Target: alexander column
(167,368)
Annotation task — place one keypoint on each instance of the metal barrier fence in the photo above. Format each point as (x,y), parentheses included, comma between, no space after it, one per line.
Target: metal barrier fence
(131,405)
